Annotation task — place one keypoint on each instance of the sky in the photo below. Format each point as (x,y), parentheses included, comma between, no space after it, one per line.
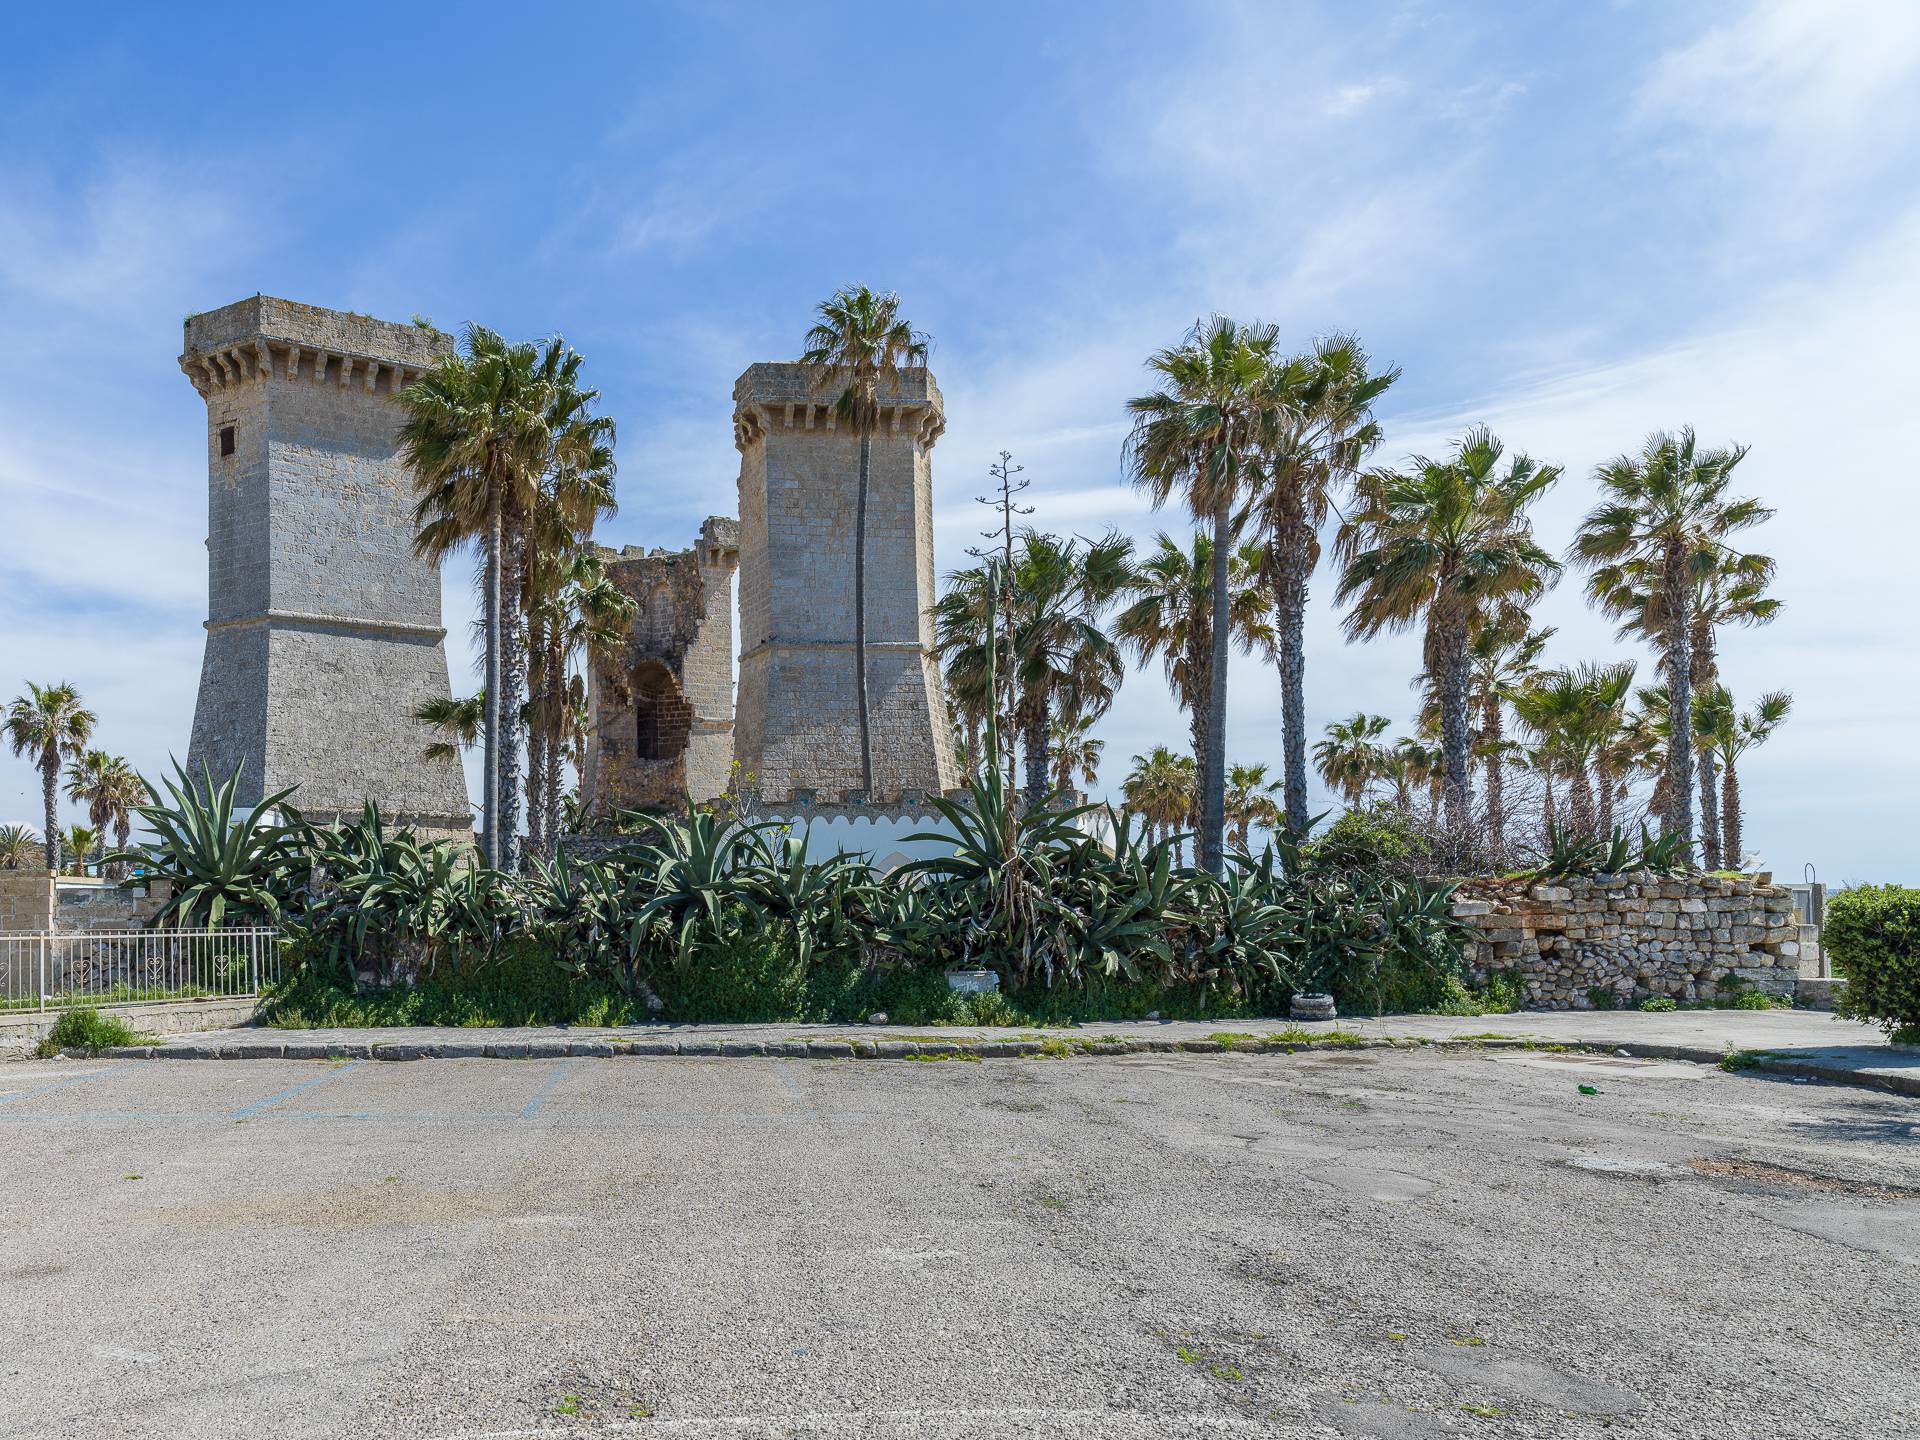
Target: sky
(1575,223)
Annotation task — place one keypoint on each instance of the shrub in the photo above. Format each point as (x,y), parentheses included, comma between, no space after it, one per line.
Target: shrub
(1872,934)
(1659,1003)
(1602,997)
(88,1031)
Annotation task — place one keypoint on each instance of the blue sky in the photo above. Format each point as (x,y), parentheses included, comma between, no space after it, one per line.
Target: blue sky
(1578,223)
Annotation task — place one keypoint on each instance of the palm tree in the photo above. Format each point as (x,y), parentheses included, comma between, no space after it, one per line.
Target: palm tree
(1250,801)
(1075,751)
(460,720)
(570,604)
(586,617)
(1446,544)
(1159,789)
(1351,758)
(76,842)
(477,440)
(49,725)
(1170,617)
(1729,588)
(110,789)
(1666,511)
(1573,712)
(1501,659)
(1731,734)
(860,343)
(1320,428)
(18,846)
(1198,436)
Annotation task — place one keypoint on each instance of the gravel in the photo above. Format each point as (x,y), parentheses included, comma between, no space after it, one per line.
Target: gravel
(1369,1243)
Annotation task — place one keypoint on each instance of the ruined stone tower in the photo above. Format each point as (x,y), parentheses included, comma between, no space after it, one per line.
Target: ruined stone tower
(797,730)
(663,707)
(323,628)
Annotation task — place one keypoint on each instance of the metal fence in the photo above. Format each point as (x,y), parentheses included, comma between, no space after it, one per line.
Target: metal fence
(47,970)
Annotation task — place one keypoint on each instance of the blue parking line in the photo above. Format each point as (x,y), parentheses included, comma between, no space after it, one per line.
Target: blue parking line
(245,1110)
(62,1084)
(553,1079)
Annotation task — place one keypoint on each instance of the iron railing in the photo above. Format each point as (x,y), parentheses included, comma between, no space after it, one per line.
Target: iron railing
(52,969)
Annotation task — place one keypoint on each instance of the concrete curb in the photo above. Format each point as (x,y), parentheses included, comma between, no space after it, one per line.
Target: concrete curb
(1050,1047)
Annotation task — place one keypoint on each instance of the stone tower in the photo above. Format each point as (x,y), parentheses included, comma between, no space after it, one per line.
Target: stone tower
(797,730)
(323,628)
(663,707)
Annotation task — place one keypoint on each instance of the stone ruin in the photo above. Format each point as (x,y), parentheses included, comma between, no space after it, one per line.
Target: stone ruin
(324,633)
(663,707)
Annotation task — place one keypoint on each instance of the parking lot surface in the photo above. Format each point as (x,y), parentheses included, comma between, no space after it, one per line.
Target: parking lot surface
(1362,1243)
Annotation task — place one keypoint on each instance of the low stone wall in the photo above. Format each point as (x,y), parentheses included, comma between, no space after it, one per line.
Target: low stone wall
(1636,935)
(21,1030)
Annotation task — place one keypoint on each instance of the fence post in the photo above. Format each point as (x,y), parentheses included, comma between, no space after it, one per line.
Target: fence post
(43,970)
(253,960)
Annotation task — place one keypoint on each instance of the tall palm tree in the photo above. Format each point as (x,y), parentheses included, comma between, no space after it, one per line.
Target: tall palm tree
(1250,801)
(1319,429)
(1729,588)
(76,842)
(1198,436)
(1502,657)
(110,789)
(1573,712)
(1731,734)
(1351,757)
(477,440)
(1160,789)
(49,725)
(568,601)
(1667,511)
(1445,544)
(1169,617)
(1075,751)
(860,342)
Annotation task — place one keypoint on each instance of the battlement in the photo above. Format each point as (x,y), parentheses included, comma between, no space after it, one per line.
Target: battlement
(786,395)
(263,336)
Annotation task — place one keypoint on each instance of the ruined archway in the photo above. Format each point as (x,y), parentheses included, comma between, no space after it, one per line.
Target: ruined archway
(662,718)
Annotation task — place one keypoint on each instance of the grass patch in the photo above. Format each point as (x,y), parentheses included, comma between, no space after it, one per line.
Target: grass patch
(89,1032)
(1735,1061)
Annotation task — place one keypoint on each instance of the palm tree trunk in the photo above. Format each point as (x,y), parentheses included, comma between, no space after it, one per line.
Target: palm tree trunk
(50,798)
(1604,784)
(1035,740)
(860,616)
(1548,808)
(490,742)
(1731,821)
(1582,801)
(556,749)
(536,736)
(513,688)
(1290,603)
(1673,580)
(1211,843)
(1705,672)
(1456,739)
(1492,724)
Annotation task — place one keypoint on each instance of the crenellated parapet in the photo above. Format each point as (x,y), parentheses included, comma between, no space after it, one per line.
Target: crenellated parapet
(262,338)
(789,396)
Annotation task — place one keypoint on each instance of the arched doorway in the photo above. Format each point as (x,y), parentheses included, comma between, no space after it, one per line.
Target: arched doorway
(662,718)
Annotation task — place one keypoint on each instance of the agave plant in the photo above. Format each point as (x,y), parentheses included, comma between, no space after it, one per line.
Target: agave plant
(222,867)
(698,887)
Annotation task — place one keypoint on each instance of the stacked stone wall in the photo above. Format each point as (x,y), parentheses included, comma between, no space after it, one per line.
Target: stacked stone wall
(1636,936)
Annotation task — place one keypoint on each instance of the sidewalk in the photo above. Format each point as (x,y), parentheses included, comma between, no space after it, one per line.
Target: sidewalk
(1800,1043)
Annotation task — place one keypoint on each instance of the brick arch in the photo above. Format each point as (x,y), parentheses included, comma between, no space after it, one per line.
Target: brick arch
(662,718)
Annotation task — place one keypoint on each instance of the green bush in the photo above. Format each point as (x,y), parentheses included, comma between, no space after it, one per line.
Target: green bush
(1659,1003)
(1603,997)
(1872,934)
(88,1031)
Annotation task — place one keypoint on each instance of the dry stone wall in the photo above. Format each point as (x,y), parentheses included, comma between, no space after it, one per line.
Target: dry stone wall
(1635,935)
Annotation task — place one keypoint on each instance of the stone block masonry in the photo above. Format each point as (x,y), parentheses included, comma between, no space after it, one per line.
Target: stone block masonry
(663,706)
(1635,936)
(323,627)
(797,730)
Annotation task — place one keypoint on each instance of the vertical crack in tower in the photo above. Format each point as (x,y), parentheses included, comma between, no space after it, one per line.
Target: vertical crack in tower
(797,727)
(323,626)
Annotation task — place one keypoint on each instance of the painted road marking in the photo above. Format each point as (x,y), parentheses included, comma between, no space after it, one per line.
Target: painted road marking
(62,1084)
(245,1110)
(553,1078)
